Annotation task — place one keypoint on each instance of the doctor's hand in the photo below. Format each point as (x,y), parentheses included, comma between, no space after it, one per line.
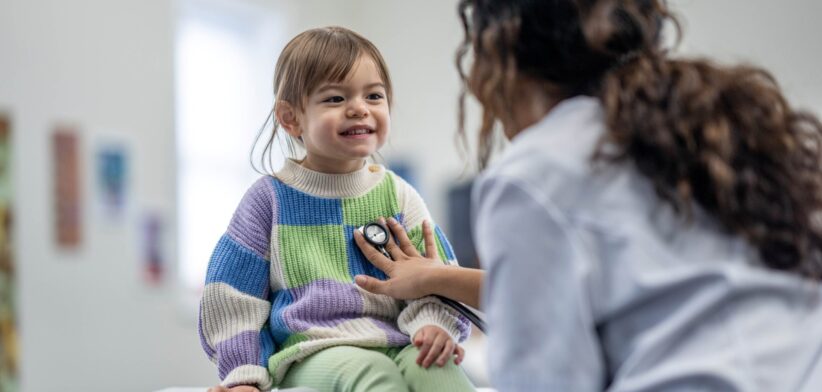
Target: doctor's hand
(410,273)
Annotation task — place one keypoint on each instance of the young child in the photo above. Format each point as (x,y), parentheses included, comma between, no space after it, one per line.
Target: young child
(280,306)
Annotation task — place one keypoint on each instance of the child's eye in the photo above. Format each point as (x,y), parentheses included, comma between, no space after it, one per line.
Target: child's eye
(334,99)
(375,96)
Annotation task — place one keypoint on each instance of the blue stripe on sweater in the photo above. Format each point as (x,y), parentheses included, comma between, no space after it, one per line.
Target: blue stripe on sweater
(280,300)
(449,252)
(242,269)
(301,209)
(266,346)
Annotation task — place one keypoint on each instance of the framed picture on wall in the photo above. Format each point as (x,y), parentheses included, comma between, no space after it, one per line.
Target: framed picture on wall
(112,178)
(67,186)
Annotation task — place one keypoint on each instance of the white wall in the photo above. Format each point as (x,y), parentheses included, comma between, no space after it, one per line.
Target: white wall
(87,321)
(782,36)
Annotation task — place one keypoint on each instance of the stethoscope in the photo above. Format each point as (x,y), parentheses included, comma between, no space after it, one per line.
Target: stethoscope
(377,235)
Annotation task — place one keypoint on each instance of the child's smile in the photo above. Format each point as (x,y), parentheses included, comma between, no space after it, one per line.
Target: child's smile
(358,132)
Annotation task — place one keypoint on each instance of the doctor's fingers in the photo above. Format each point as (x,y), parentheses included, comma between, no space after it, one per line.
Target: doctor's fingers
(391,245)
(373,255)
(395,251)
(373,285)
(399,233)
(430,243)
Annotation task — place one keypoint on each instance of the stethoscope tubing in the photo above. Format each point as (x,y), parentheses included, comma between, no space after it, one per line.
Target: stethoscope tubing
(463,310)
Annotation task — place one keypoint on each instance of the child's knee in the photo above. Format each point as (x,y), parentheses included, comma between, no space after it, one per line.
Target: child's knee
(346,368)
(375,362)
(372,371)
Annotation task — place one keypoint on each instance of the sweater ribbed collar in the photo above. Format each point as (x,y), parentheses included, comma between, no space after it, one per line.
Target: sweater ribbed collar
(356,183)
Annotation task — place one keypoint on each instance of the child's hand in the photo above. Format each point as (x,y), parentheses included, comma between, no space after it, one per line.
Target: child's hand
(238,388)
(436,345)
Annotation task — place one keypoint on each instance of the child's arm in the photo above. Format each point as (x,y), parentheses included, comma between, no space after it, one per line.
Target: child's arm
(427,310)
(235,304)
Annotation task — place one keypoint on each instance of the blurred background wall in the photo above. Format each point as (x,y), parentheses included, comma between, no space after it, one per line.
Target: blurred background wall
(89,316)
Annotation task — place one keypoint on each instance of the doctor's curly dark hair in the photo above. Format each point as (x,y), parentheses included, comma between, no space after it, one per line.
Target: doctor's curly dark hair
(724,138)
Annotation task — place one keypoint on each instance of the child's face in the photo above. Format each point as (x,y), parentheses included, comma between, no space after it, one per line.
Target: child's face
(344,123)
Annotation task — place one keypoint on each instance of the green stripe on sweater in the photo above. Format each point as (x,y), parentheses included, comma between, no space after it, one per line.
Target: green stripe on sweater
(380,201)
(415,235)
(311,253)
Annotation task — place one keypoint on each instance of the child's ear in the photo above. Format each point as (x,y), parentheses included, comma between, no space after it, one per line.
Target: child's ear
(287,117)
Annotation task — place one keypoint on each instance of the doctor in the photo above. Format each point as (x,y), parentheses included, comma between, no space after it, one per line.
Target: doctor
(654,223)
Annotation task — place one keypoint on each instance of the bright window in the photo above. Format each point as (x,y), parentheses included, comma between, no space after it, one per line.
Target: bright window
(225,54)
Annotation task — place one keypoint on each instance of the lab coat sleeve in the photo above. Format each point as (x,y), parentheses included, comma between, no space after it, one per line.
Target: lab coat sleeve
(541,336)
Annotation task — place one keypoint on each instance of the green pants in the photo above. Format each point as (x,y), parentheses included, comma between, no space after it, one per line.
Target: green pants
(354,369)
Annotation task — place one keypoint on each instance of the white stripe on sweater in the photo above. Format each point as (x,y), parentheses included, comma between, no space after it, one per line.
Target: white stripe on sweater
(230,312)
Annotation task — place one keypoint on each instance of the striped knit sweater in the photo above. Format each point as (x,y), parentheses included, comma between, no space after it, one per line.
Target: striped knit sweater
(280,283)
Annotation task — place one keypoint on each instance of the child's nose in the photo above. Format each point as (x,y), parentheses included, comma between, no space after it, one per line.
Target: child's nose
(357,109)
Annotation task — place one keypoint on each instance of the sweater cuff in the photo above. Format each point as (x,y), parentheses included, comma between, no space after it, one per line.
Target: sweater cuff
(249,375)
(430,311)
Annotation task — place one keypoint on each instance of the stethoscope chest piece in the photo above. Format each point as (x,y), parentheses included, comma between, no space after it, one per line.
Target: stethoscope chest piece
(376,235)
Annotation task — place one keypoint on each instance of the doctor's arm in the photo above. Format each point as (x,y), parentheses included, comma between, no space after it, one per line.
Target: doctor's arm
(412,275)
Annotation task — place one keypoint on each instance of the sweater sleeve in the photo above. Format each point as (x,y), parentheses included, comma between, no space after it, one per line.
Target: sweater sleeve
(235,304)
(427,310)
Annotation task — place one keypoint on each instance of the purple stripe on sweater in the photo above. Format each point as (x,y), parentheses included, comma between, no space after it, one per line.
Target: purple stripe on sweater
(251,224)
(392,332)
(464,328)
(323,303)
(242,349)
